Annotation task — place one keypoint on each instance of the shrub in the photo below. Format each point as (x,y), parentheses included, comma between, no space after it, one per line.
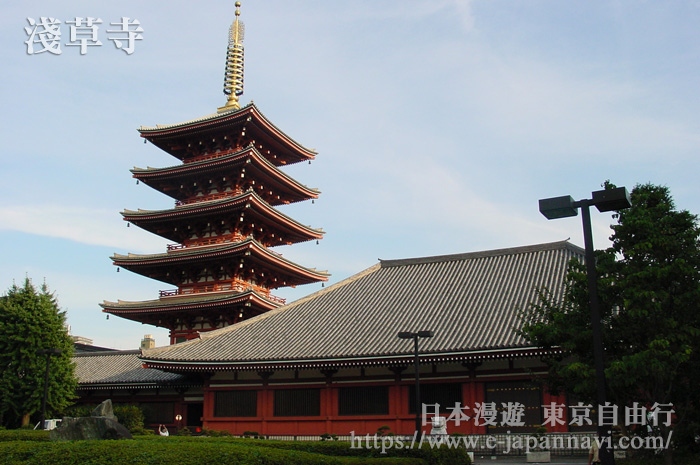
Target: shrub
(432,456)
(83,410)
(23,435)
(141,431)
(212,433)
(383,431)
(130,416)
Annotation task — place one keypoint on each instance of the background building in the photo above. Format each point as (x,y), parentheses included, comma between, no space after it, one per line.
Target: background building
(333,363)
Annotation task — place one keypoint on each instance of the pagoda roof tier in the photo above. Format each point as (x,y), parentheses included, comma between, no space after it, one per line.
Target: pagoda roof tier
(165,311)
(244,260)
(247,213)
(177,181)
(225,130)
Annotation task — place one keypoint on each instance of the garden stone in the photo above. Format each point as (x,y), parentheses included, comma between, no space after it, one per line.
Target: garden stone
(104,410)
(83,428)
(102,424)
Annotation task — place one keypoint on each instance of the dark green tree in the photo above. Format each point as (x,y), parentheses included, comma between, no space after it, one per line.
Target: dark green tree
(31,321)
(649,287)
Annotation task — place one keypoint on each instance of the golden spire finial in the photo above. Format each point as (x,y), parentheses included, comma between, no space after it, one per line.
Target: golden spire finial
(233,79)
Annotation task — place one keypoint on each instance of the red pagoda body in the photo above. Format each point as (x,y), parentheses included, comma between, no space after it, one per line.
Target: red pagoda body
(224,221)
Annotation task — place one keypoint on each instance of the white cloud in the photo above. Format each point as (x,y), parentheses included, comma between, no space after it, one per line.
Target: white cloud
(463,9)
(85,225)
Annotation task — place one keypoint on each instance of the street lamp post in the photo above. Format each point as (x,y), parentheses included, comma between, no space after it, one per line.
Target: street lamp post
(415,336)
(48,353)
(565,206)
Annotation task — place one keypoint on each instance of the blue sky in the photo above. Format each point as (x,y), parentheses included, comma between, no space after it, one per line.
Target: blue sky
(439,124)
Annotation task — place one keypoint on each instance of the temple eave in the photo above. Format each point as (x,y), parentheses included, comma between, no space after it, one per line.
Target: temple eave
(169,178)
(391,359)
(221,206)
(188,303)
(162,134)
(249,248)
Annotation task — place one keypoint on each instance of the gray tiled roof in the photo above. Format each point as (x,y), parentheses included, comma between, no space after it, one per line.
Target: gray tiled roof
(471,301)
(119,367)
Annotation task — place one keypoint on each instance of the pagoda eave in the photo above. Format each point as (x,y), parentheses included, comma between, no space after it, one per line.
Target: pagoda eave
(191,302)
(155,312)
(167,266)
(170,137)
(169,180)
(176,223)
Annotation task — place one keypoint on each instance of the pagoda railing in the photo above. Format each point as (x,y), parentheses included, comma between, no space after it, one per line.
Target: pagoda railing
(207,241)
(209,156)
(204,198)
(222,287)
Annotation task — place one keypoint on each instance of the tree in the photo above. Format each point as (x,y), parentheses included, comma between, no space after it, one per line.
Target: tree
(649,289)
(31,321)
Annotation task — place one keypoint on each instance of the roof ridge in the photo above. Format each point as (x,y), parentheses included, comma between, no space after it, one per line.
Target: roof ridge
(482,254)
(209,117)
(102,353)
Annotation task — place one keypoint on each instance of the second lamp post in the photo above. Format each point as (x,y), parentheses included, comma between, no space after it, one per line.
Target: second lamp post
(415,336)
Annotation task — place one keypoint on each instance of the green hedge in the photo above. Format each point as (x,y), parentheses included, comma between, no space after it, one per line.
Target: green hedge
(432,456)
(427,455)
(7,435)
(167,452)
(31,447)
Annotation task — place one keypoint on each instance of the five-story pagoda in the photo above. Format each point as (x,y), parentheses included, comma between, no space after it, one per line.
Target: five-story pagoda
(224,220)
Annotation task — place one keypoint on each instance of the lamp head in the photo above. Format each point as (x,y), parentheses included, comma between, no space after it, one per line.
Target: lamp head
(558,207)
(612,199)
(411,335)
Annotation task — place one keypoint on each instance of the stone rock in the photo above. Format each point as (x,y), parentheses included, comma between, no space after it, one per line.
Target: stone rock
(104,410)
(82,428)
(101,424)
